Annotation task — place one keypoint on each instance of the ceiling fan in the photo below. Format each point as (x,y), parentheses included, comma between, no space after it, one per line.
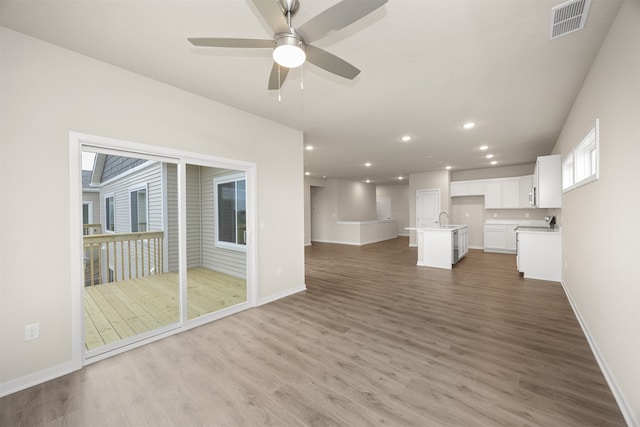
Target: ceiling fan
(291,46)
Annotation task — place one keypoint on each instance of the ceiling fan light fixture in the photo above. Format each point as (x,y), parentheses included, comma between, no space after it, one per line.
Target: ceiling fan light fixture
(289,51)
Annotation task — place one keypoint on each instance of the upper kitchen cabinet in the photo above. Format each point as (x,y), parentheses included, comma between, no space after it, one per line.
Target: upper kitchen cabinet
(502,193)
(467,188)
(526,185)
(547,182)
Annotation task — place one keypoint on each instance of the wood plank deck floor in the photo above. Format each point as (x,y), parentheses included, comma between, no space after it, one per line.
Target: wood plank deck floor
(375,340)
(120,310)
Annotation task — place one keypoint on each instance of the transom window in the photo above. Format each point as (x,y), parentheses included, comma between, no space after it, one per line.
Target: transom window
(231,211)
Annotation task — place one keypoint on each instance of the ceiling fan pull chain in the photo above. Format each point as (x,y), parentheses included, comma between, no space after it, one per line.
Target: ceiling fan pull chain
(302,77)
(279,85)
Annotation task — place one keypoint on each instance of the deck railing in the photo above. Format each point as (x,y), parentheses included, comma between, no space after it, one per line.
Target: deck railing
(122,256)
(91,229)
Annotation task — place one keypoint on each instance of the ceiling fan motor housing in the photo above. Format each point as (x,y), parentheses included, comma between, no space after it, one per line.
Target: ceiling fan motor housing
(289,49)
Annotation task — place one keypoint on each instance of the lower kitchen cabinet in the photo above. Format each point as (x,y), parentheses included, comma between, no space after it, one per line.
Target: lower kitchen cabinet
(539,255)
(500,238)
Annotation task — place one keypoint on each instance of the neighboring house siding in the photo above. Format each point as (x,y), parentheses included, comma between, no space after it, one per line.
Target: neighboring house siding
(224,260)
(115,165)
(172,234)
(149,175)
(194,217)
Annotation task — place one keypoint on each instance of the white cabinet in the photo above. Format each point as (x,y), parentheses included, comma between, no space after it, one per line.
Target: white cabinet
(437,246)
(495,237)
(540,255)
(463,242)
(467,188)
(502,193)
(547,182)
(525,184)
(500,238)
(493,195)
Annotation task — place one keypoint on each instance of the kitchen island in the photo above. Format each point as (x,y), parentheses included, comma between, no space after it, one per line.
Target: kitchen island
(539,254)
(441,247)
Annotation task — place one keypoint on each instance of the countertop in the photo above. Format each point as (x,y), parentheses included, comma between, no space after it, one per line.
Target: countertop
(537,230)
(443,228)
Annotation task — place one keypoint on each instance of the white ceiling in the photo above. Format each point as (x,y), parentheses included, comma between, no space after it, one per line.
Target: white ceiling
(427,67)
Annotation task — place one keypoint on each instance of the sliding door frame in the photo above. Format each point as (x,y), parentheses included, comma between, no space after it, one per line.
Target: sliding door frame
(77,143)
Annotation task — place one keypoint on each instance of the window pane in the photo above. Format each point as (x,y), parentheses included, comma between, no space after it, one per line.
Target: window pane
(242,212)
(109,214)
(227,212)
(85,213)
(134,212)
(142,210)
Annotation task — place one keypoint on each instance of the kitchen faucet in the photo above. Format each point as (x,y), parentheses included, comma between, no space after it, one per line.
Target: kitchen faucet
(439,220)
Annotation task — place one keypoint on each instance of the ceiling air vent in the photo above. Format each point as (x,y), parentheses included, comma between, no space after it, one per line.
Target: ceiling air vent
(568,17)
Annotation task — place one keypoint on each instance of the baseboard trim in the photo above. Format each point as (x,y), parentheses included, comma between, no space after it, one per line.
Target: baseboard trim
(476,247)
(624,406)
(37,378)
(281,294)
(366,242)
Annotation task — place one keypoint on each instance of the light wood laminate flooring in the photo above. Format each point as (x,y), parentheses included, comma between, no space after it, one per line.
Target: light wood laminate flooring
(375,340)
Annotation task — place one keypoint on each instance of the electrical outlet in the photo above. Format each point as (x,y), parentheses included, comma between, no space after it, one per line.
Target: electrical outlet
(526,214)
(31,332)
(279,271)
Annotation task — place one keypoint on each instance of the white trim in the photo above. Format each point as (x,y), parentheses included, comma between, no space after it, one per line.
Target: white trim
(36,378)
(282,294)
(623,404)
(235,178)
(82,142)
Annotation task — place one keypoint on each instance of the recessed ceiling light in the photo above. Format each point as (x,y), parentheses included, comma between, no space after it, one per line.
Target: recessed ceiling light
(495,162)
(489,156)
(406,138)
(324,176)
(367,164)
(309,147)
(448,167)
(307,173)
(469,125)
(484,147)
(368,181)
(400,178)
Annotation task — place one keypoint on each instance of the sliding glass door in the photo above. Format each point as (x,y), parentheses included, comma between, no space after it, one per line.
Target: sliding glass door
(164,245)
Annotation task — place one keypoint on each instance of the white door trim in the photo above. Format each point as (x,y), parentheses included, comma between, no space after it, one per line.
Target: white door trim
(78,141)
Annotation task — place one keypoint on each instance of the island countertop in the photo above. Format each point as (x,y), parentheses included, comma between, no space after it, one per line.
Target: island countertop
(443,228)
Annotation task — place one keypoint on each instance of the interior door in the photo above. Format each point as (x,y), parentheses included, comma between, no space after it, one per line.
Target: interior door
(427,208)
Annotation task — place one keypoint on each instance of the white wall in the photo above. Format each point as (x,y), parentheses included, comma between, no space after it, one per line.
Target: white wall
(601,220)
(399,195)
(48,92)
(356,201)
(427,181)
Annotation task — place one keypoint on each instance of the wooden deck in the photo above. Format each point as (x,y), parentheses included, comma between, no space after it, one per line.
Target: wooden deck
(120,310)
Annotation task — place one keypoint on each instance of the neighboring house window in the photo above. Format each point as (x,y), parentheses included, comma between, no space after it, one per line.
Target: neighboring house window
(231,211)
(109,213)
(87,212)
(138,209)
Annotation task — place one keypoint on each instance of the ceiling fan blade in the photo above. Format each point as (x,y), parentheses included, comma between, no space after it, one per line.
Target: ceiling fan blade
(272,14)
(336,17)
(225,42)
(331,63)
(273,78)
